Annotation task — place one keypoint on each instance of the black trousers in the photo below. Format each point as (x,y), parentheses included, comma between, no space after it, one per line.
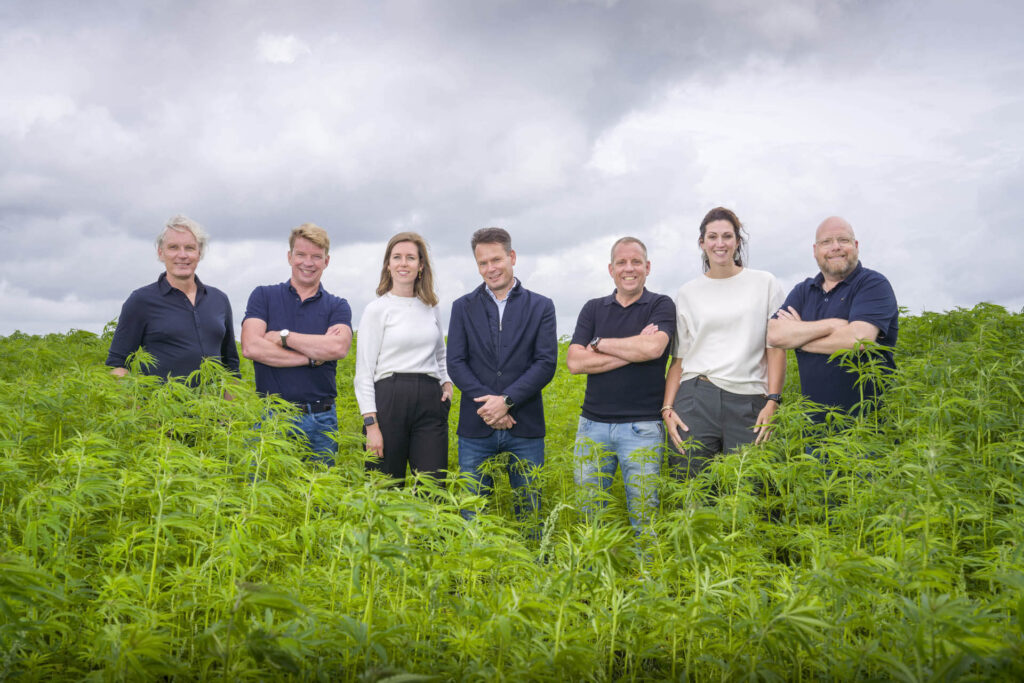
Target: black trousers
(414,425)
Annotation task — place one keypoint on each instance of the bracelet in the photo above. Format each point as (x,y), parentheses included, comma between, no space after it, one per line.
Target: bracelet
(664,408)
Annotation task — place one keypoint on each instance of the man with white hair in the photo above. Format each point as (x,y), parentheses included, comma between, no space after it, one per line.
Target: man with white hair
(177,319)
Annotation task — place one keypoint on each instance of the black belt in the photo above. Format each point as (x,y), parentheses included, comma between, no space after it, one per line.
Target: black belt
(317,407)
(421,376)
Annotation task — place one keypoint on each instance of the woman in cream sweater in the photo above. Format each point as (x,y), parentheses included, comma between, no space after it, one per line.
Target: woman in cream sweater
(401,382)
(724,383)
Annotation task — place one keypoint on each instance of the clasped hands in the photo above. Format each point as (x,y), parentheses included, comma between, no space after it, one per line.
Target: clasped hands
(494,412)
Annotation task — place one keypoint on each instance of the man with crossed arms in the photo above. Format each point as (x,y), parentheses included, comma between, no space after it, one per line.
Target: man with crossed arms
(295,332)
(838,308)
(622,343)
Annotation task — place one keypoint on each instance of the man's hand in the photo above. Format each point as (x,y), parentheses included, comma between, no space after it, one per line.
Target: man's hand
(788,331)
(493,408)
(446,392)
(675,427)
(789,313)
(763,427)
(506,422)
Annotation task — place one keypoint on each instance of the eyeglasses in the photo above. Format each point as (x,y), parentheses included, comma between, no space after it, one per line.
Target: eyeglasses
(841,241)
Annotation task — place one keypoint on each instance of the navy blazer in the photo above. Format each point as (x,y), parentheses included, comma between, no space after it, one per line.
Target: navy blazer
(516,358)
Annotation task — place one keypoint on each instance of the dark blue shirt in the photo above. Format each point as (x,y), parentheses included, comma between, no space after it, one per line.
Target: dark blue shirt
(865,295)
(160,319)
(515,356)
(634,392)
(281,307)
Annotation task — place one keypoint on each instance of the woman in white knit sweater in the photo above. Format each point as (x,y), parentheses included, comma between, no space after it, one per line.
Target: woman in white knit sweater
(724,383)
(401,382)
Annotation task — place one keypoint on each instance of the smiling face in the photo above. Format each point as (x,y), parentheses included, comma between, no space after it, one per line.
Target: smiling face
(629,269)
(719,244)
(495,266)
(179,252)
(404,266)
(308,262)
(835,249)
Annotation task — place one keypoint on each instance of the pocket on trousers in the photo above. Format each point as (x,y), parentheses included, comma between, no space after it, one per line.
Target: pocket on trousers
(686,398)
(757,404)
(653,430)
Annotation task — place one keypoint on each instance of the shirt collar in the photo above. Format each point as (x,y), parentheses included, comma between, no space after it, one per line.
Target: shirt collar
(645,298)
(819,279)
(515,283)
(166,288)
(319,289)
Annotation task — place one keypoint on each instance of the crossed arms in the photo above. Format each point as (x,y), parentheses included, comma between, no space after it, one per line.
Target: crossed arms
(264,346)
(826,336)
(617,352)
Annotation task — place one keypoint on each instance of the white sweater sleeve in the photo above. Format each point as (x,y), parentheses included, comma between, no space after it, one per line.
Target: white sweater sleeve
(368,340)
(440,353)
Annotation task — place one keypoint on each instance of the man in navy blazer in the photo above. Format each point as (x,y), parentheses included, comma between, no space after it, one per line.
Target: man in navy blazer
(502,351)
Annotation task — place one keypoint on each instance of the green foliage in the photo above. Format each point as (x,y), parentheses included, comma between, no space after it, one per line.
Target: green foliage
(154,530)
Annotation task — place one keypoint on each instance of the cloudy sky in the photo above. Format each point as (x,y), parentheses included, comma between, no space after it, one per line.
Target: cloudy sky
(569,123)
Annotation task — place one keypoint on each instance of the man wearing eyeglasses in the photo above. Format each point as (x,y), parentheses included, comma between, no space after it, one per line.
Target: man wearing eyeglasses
(843,305)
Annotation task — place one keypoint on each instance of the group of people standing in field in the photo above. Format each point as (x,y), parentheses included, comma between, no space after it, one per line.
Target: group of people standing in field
(726,333)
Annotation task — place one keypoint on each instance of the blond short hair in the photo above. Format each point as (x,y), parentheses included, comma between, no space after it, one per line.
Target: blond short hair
(312,232)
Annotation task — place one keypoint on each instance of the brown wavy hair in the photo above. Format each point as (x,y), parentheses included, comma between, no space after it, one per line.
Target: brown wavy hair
(424,287)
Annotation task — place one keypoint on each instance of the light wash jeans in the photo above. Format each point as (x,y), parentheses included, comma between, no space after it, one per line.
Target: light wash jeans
(603,446)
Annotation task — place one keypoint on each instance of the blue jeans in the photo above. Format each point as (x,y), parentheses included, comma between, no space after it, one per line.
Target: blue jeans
(313,428)
(603,446)
(527,453)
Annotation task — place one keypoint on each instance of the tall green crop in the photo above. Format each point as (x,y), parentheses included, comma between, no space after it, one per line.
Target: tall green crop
(152,531)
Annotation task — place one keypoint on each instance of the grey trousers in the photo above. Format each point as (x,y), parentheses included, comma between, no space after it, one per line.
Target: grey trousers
(719,421)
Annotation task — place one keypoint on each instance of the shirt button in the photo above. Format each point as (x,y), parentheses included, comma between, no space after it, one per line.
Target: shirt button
(499,373)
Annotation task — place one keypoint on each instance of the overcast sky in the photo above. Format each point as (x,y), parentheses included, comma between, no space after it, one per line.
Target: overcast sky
(568,123)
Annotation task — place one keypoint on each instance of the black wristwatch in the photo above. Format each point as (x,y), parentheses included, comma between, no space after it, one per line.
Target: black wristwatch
(594,342)
(508,401)
(775,397)
(369,420)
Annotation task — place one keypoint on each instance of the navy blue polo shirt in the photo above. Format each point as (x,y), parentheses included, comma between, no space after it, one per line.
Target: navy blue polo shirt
(160,319)
(281,308)
(634,392)
(864,295)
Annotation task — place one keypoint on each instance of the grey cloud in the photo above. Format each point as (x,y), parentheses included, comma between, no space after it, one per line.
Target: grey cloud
(369,118)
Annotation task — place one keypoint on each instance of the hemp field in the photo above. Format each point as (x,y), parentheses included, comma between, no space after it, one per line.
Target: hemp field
(147,531)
